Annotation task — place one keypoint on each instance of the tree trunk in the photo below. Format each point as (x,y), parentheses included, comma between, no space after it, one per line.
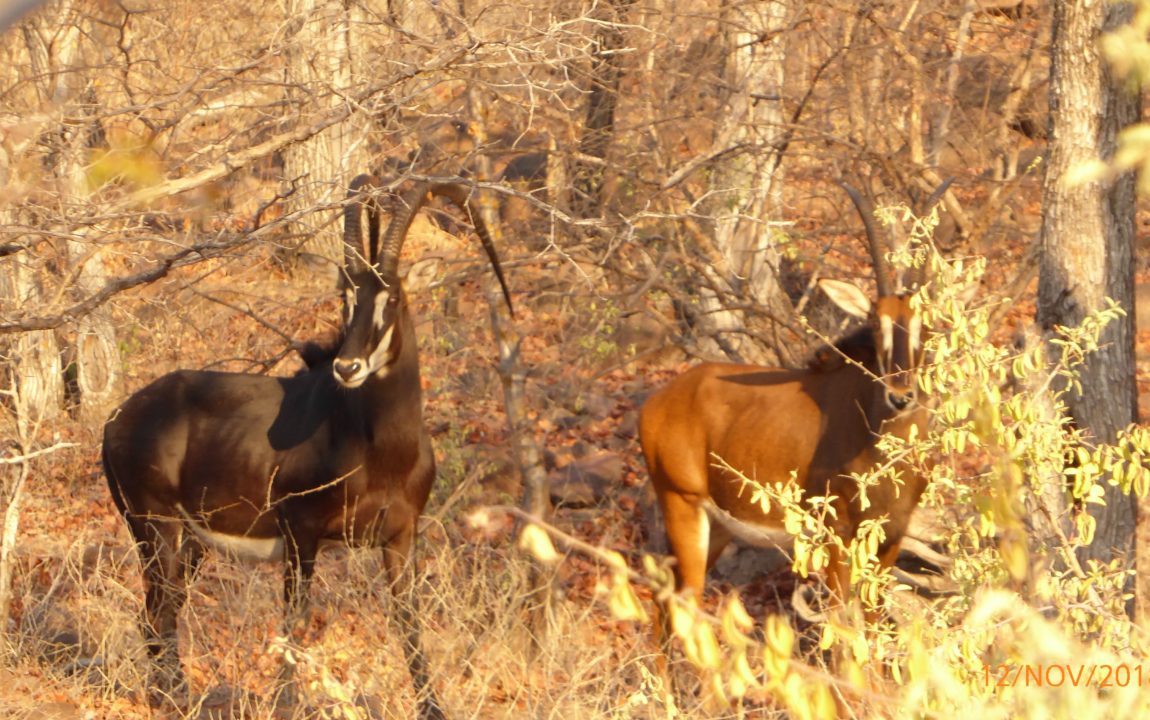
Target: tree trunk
(746,184)
(94,349)
(1088,241)
(320,70)
(34,356)
(59,76)
(599,126)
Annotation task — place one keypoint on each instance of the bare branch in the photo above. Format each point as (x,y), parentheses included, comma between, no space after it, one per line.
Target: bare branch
(160,269)
(326,119)
(25,457)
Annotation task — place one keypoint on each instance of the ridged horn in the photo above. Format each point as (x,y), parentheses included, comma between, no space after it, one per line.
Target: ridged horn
(356,256)
(936,196)
(866,212)
(410,204)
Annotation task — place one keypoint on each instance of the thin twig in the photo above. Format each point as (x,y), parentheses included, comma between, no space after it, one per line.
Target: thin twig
(18,459)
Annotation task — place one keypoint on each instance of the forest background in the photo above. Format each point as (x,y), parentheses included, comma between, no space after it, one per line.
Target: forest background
(664,181)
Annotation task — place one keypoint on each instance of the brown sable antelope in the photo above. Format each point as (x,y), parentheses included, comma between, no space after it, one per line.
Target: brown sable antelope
(269,468)
(811,426)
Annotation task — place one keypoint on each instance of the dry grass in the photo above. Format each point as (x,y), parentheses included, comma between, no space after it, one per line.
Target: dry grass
(79,640)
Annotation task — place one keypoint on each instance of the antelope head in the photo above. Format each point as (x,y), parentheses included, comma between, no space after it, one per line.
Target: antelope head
(373,299)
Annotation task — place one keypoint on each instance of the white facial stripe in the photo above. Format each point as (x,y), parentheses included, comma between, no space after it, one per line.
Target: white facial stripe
(376,362)
(348,304)
(382,353)
(887,326)
(381,299)
(915,333)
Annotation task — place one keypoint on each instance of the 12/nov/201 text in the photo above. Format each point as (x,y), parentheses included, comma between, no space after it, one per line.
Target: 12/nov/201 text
(1101,675)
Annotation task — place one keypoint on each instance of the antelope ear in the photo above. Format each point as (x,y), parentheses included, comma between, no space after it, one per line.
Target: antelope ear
(422,273)
(847,296)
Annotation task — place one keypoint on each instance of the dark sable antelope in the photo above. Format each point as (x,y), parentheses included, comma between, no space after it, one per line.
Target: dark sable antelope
(269,468)
(812,426)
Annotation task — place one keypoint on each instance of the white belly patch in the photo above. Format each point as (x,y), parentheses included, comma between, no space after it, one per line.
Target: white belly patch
(241,547)
(244,547)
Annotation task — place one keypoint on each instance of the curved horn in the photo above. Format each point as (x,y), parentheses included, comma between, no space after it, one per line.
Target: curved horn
(409,204)
(354,252)
(415,199)
(936,196)
(461,196)
(866,212)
